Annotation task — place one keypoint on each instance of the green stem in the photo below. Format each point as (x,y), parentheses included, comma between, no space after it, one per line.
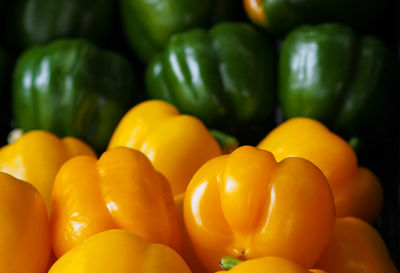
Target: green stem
(355,143)
(227,142)
(228,263)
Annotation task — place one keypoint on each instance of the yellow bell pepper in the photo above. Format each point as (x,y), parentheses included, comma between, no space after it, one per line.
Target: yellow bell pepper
(188,253)
(120,190)
(265,264)
(37,156)
(177,145)
(246,205)
(119,251)
(24,231)
(356,247)
(357,191)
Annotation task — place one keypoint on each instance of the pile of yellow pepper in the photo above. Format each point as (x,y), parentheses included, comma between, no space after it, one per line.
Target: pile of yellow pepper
(164,199)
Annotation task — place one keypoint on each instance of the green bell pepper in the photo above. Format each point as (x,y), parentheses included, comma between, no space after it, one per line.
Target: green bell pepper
(33,22)
(149,24)
(72,88)
(280,16)
(224,76)
(329,73)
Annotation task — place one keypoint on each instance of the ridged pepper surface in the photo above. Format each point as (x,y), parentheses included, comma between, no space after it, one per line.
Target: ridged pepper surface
(149,24)
(37,156)
(177,145)
(72,88)
(120,190)
(328,73)
(357,191)
(246,205)
(224,76)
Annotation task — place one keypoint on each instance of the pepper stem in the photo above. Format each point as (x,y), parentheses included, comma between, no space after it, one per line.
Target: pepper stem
(355,143)
(228,263)
(227,142)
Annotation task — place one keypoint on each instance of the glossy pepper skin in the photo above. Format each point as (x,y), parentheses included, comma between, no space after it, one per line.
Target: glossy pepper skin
(24,234)
(149,24)
(35,22)
(246,205)
(224,76)
(177,145)
(120,190)
(37,156)
(188,253)
(270,264)
(356,247)
(357,191)
(328,73)
(280,16)
(71,87)
(120,251)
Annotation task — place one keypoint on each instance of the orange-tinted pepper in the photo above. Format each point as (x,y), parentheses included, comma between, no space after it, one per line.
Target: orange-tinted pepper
(356,247)
(246,205)
(270,264)
(255,11)
(357,191)
(119,251)
(188,253)
(177,145)
(37,156)
(24,231)
(120,190)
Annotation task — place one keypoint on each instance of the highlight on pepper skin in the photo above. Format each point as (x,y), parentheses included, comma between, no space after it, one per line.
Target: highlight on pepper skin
(120,190)
(177,145)
(120,251)
(25,232)
(281,209)
(36,157)
(188,253)
(357,191)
